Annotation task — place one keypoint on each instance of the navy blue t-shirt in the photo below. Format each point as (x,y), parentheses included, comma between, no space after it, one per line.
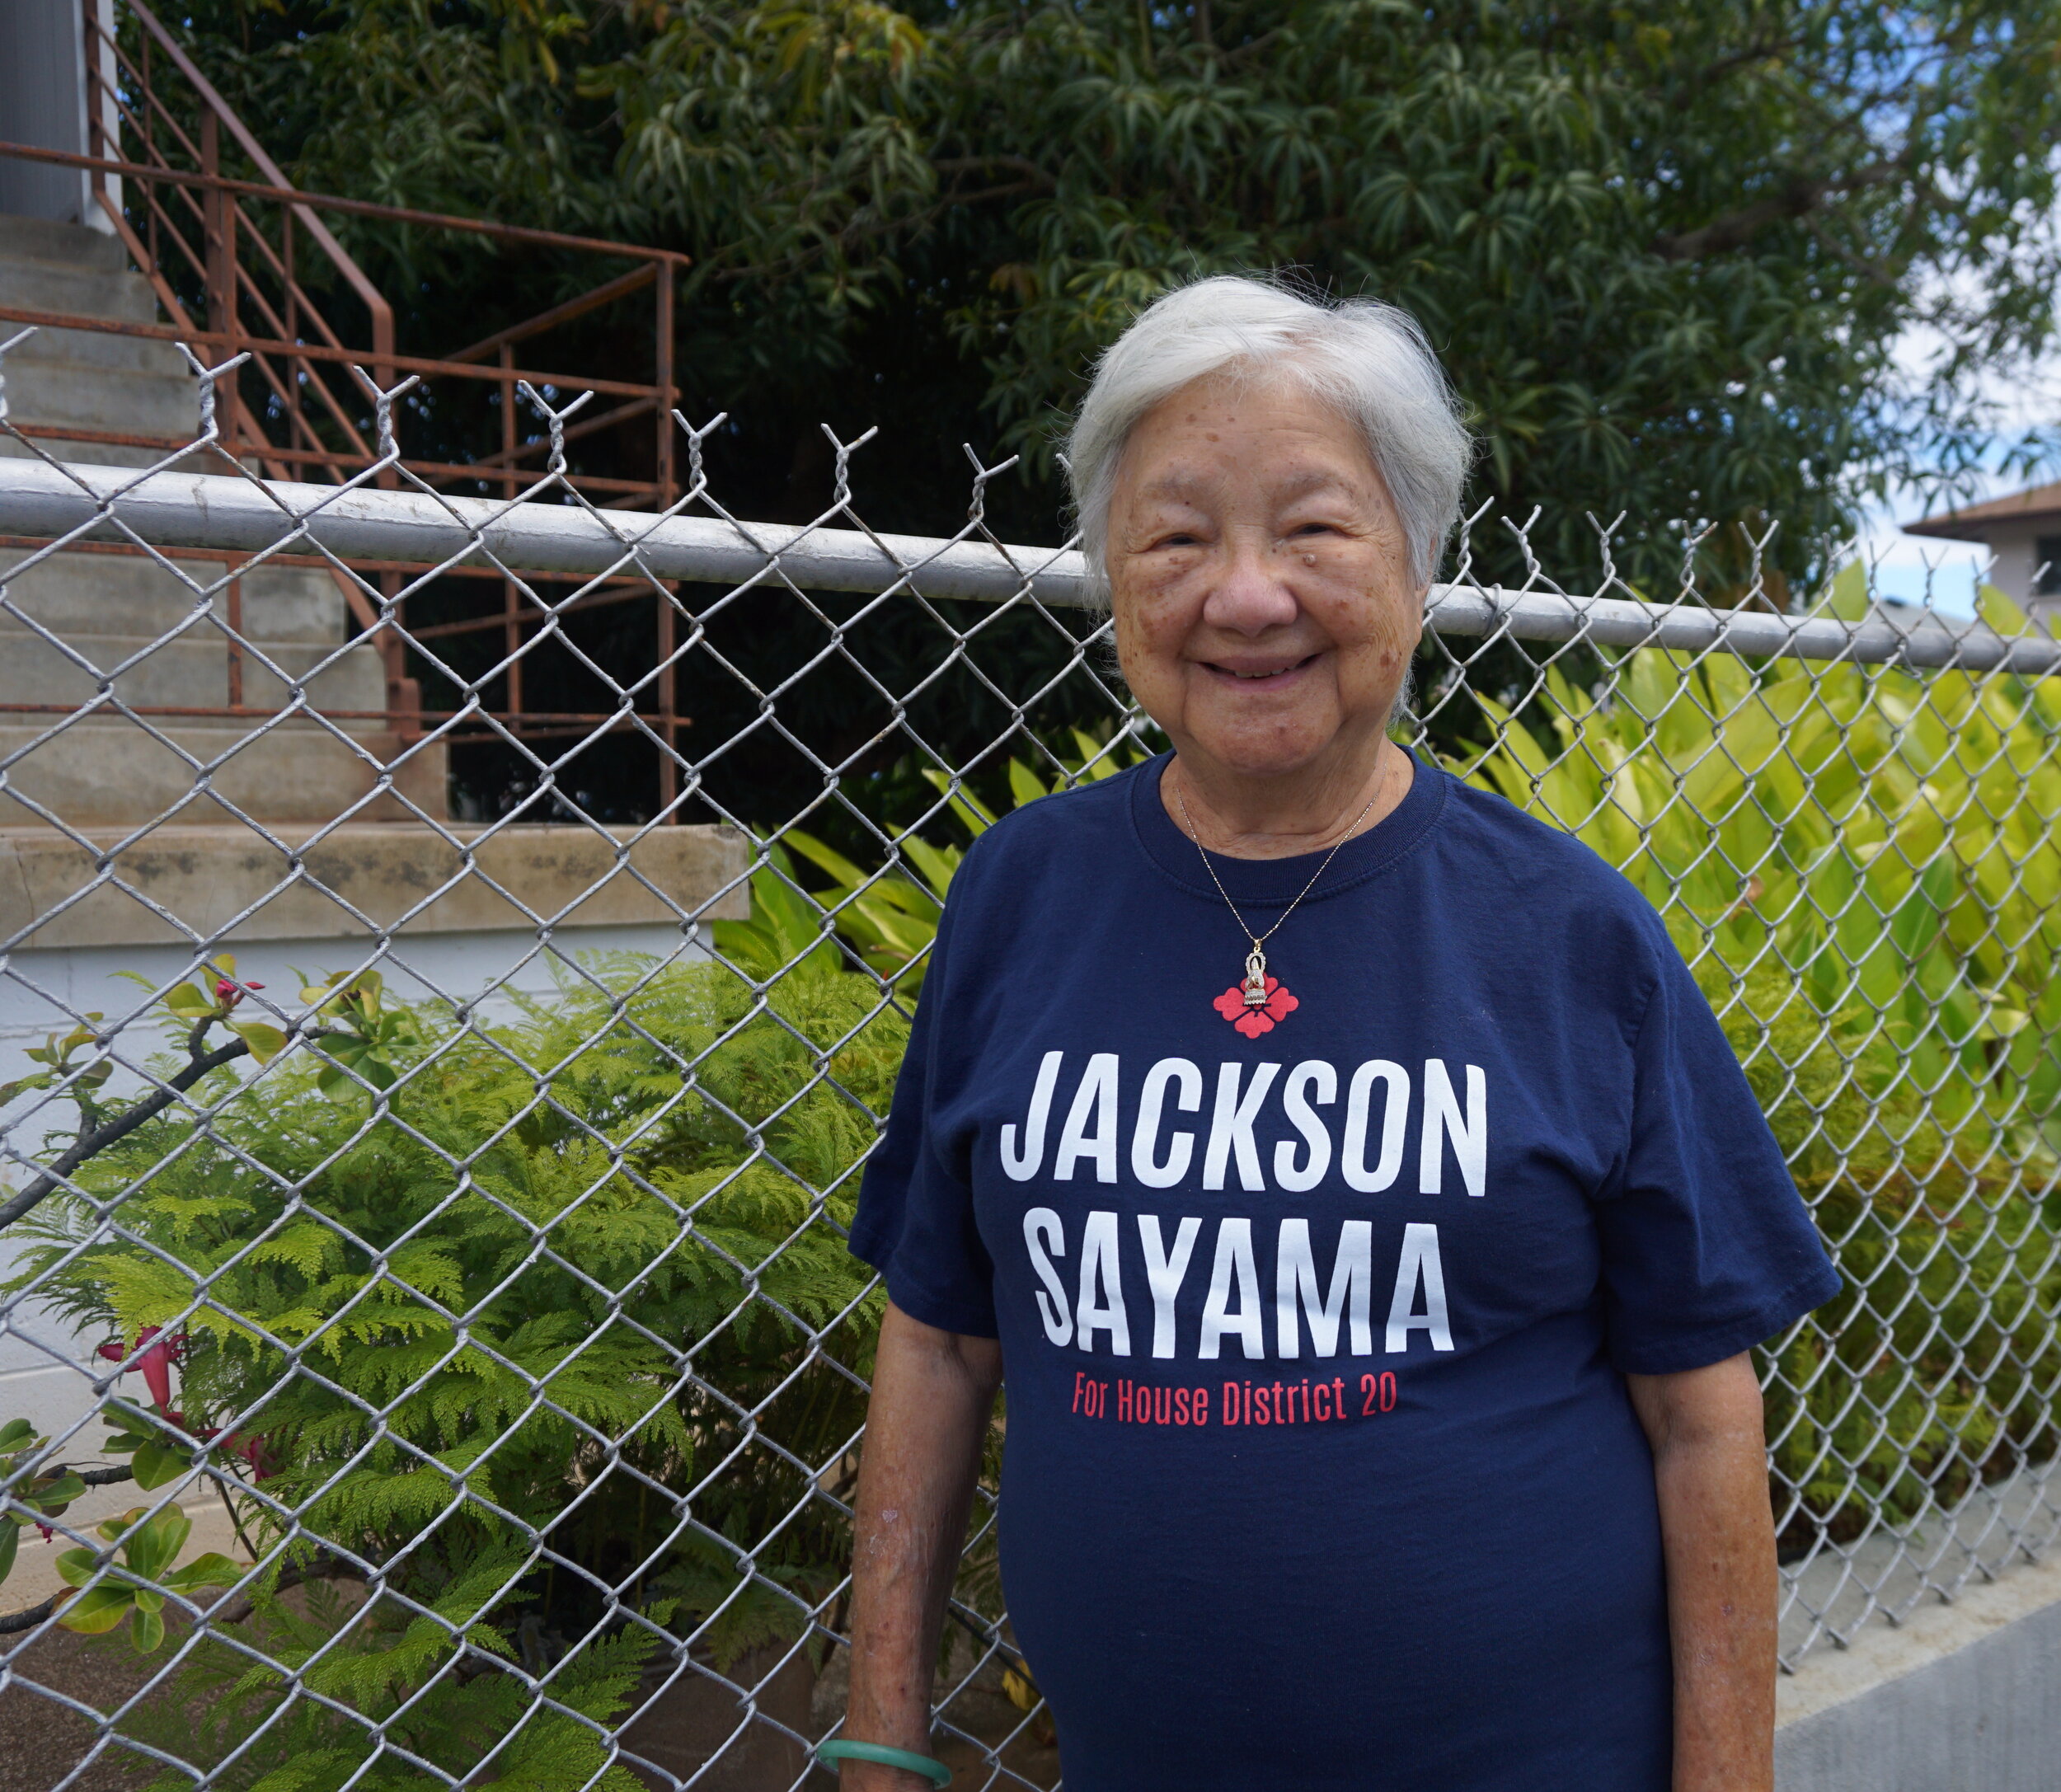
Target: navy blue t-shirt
(1321,1469)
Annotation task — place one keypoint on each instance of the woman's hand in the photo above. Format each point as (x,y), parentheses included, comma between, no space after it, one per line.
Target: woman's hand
(932,1393)
(1710,1467)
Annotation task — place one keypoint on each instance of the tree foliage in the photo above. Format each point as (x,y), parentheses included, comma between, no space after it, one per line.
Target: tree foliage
(1668,253)
(1666,249)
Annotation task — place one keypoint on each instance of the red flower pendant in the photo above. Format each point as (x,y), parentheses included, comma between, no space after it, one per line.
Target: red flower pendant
(1253,1021)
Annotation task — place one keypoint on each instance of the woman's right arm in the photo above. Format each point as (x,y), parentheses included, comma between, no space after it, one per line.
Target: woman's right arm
(932,1393)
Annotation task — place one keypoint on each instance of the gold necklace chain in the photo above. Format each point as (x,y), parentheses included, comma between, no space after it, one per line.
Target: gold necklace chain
(1254,980)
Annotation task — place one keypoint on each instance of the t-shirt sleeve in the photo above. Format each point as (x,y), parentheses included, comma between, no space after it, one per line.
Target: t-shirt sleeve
(1707,1248)
(915,1222)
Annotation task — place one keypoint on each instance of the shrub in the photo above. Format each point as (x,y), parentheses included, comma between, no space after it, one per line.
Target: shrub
(563,1280)
(1861,866)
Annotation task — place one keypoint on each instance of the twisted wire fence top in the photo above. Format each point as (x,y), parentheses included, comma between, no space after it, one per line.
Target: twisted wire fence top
(448,1367)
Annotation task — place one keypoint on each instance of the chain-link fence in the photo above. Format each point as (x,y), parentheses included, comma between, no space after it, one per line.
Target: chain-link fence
(432,1353)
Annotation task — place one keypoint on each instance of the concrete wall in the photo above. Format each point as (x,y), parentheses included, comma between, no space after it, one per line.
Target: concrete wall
(302,883)
(2014,567)
(43,104)
(1963,1697)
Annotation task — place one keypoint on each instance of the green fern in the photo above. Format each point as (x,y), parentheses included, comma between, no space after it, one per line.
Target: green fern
(455,1319)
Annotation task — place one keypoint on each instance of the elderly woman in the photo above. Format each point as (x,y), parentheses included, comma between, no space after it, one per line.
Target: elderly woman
(1342,1170)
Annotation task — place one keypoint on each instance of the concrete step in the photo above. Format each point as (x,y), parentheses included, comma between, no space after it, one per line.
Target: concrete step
(86,291)
(92,348)
(191,671)
(61,392)
(114,773)
(37,239)
(120,594)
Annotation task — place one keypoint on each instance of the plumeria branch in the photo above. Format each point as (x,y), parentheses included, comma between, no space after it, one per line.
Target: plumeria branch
(110,1132)
(205,1009)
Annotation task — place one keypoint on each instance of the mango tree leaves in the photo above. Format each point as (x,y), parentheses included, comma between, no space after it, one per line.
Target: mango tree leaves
(1668,251)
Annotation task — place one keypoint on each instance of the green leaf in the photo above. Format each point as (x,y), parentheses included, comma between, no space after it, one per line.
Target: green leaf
(266,1042)
(151,1547)
(77,1567)
(1997,610)
(212,1569)
(146,1631)
(10,1545)
(937,863)
(97,1610)
(1025,785)
(335,1085)
(51,1495)
(839,867)
(16,1434)
(189,1002)
(155,1465)
(971,811)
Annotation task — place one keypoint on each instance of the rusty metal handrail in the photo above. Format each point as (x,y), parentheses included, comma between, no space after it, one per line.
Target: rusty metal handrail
(242,339)
(185,226)
(217,107)
(334,202)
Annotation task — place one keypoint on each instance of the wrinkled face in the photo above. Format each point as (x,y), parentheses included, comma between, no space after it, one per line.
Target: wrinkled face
(1264,612)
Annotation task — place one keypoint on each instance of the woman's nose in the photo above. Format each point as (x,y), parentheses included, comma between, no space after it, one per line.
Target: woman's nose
(1250,592)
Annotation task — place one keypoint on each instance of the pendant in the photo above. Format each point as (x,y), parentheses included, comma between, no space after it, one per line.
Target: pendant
(1257,1003)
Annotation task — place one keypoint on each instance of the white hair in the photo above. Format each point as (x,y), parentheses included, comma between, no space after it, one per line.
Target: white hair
(1368,361)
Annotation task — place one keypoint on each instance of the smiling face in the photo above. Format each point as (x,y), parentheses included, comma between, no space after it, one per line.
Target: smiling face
(1264,612)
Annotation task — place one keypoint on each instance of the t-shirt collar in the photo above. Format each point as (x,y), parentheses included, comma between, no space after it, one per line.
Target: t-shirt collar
(1264,882)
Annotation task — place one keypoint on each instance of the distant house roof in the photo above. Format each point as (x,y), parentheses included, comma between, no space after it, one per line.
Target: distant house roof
(2033,504)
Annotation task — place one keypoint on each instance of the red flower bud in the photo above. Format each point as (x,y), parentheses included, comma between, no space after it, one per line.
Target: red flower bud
(156,1362)
(255,1451)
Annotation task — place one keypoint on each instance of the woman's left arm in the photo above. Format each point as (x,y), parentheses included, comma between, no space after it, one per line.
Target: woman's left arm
(1710,1465)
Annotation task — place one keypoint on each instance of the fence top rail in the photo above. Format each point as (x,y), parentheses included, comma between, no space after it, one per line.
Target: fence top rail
(47,500)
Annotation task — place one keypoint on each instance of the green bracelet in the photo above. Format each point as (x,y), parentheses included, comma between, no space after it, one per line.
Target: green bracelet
(935,1771)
